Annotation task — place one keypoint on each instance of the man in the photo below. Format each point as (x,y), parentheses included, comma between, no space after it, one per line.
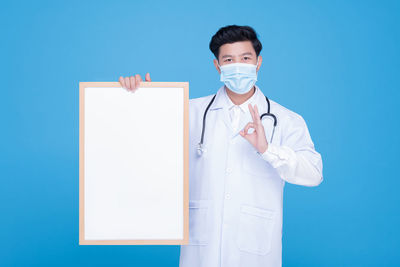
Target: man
(238,174)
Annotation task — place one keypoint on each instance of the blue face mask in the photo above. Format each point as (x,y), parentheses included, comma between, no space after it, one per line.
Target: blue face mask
(239,77)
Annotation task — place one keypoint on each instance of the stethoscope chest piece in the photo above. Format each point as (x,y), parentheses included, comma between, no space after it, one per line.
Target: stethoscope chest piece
(200,150)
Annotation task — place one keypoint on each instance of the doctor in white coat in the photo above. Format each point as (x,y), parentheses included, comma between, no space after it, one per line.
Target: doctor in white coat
(236,179)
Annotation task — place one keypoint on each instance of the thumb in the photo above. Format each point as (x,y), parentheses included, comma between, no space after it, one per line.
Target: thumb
(243,134)
(147,77)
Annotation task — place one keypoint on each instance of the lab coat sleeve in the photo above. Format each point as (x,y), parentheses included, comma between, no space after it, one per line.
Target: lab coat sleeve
(296,160)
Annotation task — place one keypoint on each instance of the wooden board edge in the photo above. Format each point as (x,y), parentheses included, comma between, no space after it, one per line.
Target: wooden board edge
(185,240)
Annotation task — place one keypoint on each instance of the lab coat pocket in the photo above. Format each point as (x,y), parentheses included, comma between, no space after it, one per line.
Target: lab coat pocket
(198,222)
(255,229)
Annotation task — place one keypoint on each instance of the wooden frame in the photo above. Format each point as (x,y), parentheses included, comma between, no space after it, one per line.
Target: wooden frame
(83,86)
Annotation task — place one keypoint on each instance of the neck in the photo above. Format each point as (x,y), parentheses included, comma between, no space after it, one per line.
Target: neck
(239,99)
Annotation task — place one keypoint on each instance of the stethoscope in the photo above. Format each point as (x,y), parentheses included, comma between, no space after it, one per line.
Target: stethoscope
(200,148)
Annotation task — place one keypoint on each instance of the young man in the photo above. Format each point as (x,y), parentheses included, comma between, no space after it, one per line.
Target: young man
(238,173)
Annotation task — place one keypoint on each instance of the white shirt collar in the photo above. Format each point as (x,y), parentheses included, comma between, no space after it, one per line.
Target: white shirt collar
(244,106)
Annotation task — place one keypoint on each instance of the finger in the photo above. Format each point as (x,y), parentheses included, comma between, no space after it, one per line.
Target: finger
(252,112)
(257,115)
(132,81)
(247,127)
(147,77)
(138,79)
(121,80)
(127,83)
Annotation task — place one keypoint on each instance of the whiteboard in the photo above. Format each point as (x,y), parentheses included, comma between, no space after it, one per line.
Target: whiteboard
(133,163)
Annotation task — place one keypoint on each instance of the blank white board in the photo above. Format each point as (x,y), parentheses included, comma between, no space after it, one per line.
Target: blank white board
(133,167)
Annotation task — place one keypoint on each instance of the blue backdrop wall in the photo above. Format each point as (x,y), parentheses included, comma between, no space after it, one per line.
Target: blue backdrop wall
(334,62)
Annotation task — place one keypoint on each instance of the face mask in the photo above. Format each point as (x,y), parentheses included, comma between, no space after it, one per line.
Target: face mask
(239,77)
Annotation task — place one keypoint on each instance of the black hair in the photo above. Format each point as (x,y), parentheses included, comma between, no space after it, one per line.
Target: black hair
(234,33)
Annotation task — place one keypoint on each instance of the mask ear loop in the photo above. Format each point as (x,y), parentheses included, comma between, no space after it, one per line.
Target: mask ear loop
(257,62)
(219,66)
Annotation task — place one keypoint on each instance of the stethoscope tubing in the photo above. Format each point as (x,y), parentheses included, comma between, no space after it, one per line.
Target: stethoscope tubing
(268,113)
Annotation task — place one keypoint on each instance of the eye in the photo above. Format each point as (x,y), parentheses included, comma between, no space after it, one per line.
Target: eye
(246,58)
(228,59)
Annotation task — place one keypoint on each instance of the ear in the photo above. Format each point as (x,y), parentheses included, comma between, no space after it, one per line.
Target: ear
(216,65)
(259,62)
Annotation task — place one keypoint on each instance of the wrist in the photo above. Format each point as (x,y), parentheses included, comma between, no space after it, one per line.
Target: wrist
(263,149)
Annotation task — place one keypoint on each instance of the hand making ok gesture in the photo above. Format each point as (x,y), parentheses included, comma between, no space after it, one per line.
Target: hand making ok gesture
(257,137)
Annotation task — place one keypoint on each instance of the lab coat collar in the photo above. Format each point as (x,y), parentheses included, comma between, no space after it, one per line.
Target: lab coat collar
(223,102)
(244,107)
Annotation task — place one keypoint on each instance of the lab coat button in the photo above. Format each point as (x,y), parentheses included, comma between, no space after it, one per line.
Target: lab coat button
(228,170)
(232,141)
(227,196)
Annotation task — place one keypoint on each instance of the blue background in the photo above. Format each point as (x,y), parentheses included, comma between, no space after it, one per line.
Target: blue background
(334,62)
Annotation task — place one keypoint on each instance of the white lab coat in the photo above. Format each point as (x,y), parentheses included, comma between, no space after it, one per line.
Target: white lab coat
(235,195)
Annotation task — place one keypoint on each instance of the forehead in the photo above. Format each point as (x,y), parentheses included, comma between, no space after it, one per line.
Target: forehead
(236,48)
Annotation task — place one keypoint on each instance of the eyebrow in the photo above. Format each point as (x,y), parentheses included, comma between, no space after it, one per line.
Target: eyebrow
(246,53)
